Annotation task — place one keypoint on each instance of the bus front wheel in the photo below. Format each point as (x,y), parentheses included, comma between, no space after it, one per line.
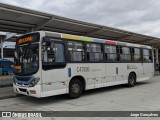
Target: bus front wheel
(75,88)
(131,80)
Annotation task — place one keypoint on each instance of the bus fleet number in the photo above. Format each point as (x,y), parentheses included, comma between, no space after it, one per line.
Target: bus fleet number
(83,69)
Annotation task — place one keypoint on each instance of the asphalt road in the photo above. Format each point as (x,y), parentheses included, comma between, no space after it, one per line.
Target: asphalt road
(145,96)
(7,92)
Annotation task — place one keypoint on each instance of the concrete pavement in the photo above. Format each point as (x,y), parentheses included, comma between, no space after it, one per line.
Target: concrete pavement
(7,92)
(144,96)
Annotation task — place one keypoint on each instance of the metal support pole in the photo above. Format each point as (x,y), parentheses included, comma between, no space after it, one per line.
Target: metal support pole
(1,48)
(157,59)
(32,30)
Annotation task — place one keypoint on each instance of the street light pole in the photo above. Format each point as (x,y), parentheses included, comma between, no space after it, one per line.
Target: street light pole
(1,48)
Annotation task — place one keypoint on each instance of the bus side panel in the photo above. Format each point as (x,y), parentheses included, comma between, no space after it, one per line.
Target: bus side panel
(137,68)
(114,73)
(54,82)
(93,73)
(118,73)
(147,69)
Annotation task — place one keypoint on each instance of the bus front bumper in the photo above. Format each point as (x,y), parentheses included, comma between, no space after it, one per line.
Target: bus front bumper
(28,91)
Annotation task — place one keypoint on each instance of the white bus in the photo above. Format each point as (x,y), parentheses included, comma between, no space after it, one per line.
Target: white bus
(49,63)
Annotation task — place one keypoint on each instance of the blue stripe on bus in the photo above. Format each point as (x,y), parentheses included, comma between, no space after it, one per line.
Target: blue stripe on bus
(69,72)
(99,41)
(116,70)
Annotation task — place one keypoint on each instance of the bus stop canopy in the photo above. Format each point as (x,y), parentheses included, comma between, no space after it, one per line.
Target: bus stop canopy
(21,20)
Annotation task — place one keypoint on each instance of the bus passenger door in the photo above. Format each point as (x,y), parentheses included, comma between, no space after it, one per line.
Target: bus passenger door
(54,68)
(147,63)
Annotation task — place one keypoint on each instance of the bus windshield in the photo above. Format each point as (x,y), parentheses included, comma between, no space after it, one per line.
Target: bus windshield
(26,58)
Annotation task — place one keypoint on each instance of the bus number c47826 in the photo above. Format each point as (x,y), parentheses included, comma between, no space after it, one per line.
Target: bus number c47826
(83,69)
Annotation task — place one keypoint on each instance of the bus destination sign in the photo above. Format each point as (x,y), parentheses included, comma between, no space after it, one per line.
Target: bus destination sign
(25,40)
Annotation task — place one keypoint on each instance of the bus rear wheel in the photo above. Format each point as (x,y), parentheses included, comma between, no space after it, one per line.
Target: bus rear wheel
(131,80)
(75,88)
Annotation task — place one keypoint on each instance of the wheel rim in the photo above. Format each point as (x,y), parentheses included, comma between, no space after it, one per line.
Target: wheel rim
(132,80)
(75,88)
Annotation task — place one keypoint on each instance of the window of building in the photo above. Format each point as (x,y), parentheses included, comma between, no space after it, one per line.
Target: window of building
(111,53)
(76,51)
(125,54)
(94,52)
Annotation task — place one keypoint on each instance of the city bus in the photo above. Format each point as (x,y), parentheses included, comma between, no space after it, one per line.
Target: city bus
(49,63)
(6,67)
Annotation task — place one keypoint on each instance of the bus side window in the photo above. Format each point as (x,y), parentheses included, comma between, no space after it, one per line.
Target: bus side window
(75,51)
(45,56)
(111,53)
(53,53)
(47,53)
(125,54)
(150,57)
(136,54)
(147,55)
(59,53)
(94,52)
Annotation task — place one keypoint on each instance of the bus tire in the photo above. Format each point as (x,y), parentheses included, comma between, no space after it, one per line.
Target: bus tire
(131,80)
(75,88)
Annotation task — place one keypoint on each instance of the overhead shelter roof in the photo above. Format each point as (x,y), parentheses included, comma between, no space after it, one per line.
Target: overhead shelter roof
(21,20)
(12,39)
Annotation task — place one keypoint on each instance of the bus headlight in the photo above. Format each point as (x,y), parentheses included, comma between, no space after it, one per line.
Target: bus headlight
(34,82)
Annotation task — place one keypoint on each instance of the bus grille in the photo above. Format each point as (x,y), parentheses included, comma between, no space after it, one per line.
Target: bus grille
(23,78)
(22,90)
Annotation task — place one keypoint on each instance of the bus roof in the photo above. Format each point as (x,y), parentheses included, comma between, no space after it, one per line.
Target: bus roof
(90,39)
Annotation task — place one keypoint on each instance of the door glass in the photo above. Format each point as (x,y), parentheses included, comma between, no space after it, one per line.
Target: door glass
(59,52)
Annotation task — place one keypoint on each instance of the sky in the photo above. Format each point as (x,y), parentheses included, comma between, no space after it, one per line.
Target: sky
(140,16)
